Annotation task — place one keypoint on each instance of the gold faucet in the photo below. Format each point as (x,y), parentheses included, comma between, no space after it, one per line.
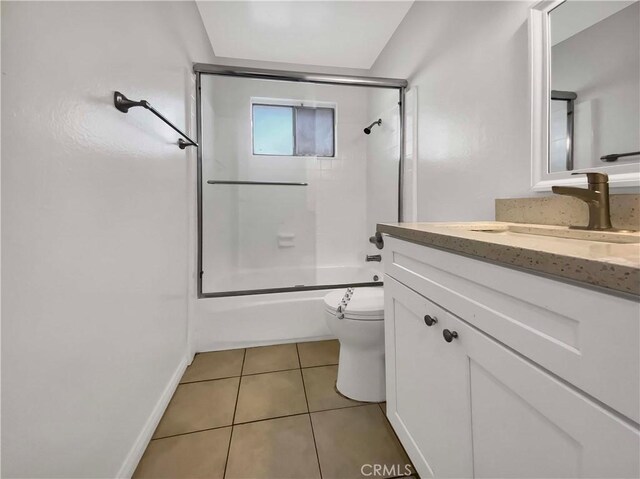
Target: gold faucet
(597,198)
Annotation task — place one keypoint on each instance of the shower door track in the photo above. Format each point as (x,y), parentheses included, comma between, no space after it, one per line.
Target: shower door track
(200,69)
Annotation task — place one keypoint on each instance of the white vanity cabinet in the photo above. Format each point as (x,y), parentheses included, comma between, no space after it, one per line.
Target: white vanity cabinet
(481,405)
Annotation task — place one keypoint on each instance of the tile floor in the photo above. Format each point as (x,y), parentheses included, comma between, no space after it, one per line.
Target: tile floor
(269,413)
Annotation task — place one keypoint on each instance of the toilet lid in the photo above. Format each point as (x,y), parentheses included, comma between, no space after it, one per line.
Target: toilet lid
(365,303)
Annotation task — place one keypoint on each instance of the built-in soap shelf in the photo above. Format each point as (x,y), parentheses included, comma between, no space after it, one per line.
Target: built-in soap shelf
(286,240)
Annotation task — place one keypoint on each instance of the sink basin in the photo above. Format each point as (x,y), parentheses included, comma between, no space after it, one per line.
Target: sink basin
(614,236)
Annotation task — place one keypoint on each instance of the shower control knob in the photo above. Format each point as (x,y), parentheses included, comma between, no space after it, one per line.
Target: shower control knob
(430,320)
(449,335)
(377,240)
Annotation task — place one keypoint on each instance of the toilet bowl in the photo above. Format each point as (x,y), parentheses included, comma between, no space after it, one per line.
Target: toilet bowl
(356,318)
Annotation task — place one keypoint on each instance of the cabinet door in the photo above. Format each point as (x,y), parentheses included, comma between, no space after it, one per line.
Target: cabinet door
(527,423)
(427,386)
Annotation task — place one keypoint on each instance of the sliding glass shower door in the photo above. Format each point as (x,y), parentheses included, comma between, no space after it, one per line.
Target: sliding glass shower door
(284,175)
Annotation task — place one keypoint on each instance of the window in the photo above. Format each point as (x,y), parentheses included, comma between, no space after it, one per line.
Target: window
(286,130)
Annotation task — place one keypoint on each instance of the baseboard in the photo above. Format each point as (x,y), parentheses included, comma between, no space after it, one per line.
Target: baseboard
(142,441)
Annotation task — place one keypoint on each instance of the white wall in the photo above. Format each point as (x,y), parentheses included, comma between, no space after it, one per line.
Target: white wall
(94,224)
(469,61)
(602,65)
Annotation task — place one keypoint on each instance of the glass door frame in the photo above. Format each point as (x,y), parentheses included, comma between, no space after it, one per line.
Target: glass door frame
(200,69)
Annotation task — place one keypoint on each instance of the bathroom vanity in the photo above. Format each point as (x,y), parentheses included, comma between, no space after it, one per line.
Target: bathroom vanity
(508,353)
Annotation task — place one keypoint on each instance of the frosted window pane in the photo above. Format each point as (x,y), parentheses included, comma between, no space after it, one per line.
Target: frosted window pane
(314,132)
(272,130)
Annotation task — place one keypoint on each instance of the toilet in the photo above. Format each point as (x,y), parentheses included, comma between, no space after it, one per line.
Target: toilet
(356,317)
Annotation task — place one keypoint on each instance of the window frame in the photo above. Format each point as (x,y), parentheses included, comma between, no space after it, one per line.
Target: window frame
(294,105)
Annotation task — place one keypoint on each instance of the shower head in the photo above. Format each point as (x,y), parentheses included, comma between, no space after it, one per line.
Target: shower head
(378,122)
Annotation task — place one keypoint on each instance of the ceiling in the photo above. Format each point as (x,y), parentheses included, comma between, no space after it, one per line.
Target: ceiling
(574,16)
(326,33)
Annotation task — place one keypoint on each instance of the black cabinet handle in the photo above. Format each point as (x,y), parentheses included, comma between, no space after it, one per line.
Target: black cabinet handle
(430,320)
(449,335)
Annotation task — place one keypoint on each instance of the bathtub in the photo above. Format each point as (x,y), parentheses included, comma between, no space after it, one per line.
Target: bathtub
(262,319)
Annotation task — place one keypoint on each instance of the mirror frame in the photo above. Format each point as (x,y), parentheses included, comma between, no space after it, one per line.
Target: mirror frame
(540,83)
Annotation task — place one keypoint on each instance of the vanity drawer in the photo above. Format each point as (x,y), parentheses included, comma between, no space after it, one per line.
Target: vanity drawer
(586,337)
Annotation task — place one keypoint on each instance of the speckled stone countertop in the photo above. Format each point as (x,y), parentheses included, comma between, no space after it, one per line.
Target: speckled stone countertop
(595,261)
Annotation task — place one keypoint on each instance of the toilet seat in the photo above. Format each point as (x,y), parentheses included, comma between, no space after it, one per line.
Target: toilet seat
(364,304)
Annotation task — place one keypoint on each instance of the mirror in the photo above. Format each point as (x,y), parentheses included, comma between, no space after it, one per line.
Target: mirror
(585,91)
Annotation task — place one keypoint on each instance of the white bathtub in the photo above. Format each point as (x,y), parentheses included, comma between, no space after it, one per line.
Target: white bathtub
(263,319)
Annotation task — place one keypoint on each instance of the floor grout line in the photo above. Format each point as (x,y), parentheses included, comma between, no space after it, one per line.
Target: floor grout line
(258,420)
(341,407)
(189,432)
(211,379)
(298,354)
(313,434)
(233,419)
(256,374)
(270,418)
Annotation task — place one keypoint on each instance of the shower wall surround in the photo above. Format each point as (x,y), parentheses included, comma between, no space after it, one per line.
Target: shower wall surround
(383,151)
(263,237)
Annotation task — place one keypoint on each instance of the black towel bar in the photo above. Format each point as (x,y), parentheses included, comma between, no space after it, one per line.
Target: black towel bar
(615,156)
(262,183)
(123,104)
